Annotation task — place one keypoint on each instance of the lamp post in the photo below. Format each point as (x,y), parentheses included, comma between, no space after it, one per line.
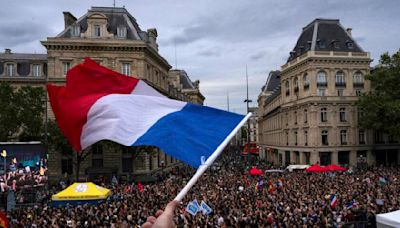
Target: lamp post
(4,155)
(247,101)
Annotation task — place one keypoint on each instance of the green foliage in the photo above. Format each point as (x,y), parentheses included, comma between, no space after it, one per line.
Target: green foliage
(57,141)
(381,107)
(22,113)
(8,112)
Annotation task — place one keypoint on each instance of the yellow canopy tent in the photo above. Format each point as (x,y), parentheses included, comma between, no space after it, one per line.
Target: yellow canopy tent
(81,193)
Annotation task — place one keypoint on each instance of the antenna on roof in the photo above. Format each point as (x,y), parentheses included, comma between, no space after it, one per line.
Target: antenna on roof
(176,59)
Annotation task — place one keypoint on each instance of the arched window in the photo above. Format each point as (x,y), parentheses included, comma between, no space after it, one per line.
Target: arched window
(339,79)
(321,78)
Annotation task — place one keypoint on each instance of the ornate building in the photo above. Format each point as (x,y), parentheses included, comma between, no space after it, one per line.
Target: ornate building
(307,110)
(112,37)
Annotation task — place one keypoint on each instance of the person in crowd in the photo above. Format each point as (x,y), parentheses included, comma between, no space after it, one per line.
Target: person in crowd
(289,199)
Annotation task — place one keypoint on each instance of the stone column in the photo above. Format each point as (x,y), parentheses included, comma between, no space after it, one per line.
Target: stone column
(335,157)
(353,158)
(314,157)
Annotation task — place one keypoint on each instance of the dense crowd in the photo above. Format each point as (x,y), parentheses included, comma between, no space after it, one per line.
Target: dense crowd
(289,199)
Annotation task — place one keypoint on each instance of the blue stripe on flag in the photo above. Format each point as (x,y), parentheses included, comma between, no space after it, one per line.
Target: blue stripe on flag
(191,133)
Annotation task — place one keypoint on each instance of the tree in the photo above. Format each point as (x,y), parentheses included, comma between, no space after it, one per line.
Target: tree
(21,113)
(8,112)
(31,101)
(381,106)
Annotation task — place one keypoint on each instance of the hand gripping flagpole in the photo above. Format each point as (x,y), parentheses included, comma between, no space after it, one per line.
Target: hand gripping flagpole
(210,160)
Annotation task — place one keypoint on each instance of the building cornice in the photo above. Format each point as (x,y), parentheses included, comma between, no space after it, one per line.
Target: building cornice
(103,45)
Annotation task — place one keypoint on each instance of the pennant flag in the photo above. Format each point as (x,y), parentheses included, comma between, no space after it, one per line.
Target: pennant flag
(205,208)
(351,204)
(100,104)
(333,200)
(192,208)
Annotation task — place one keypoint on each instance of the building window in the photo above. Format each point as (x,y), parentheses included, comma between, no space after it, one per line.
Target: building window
(287,88)
(340,92)
(343,137)
(66,67)
(76,31)
(305,116)
(305,138)
(340,79)
(358,93)
(350,44)
(321,43)
(360,113)
(287,119)
(295,117)
(127,164)
(296,85)
(358,79)
(66,165)
(36,70)
(126,68)
(324,117)
(287,138)
(322,92)
(324,134)
(306,81)
(379,137)
(361,136)
(97,31)
(321,79)
(342,115)
(121,32)
(10,69)
(295,138)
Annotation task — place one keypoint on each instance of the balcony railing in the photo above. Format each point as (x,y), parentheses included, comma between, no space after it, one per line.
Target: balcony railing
(322,84)
(358,84)
(340,84)
(306,86)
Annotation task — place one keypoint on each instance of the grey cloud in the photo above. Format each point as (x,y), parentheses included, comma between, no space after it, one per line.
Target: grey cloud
(258,55)
(13,34)
(209,53)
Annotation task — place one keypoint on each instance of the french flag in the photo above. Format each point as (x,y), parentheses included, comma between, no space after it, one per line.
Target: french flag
(333,200)
(100,104)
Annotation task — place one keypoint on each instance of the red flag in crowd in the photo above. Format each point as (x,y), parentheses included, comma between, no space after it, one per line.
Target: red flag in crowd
(4,223)
(127,189)
(140,187)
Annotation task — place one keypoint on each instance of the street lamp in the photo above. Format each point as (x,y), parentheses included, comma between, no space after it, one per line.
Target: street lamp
(247,101)
(4,155)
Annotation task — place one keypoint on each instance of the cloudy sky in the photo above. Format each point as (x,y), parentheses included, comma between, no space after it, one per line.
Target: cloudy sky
(215,39)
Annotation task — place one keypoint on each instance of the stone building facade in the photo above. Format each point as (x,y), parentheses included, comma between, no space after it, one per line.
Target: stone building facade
(112,37)
(307,110)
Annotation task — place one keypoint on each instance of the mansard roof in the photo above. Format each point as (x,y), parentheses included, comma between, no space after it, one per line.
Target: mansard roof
(324,35)
(116,17)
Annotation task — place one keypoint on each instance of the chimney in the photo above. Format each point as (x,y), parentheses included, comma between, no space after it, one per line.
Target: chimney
(152,33)
(69,19)
(7,51)
(348,30)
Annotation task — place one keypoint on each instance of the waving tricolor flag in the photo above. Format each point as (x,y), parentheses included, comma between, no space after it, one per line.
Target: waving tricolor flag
(99,104)
(333,200)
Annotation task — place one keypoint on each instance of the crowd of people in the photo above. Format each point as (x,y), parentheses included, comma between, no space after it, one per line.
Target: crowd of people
(288,199)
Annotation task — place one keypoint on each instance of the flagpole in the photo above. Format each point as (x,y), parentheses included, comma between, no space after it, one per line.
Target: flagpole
(210,160)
